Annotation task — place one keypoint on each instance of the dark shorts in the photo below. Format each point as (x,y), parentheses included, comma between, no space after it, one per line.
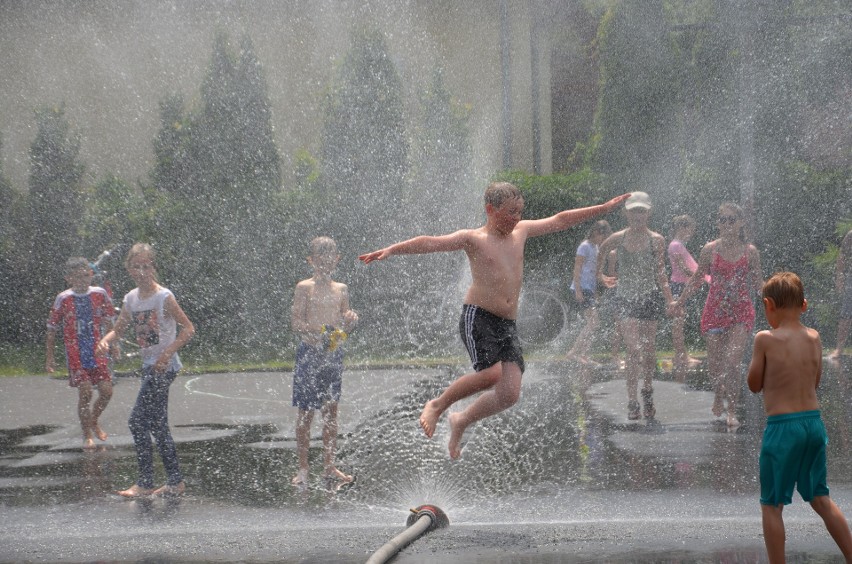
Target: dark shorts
(91,375)
(317,377)
(650,307)
(589,300)
(489,339)
(793,455)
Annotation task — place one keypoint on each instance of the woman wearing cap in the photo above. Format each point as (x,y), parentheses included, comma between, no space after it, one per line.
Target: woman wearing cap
(642,295)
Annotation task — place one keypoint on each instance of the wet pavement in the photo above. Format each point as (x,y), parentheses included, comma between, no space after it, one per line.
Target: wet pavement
(562,477)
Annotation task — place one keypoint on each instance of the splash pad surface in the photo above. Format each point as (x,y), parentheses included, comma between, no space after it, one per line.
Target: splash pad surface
(562,477)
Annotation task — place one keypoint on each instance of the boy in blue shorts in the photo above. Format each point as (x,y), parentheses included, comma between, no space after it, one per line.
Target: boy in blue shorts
(321,318)
(786,365)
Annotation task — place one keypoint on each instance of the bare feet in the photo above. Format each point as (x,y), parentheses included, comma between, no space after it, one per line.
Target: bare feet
(301,478)
(99,433)
(135,491)
(170,491)
(456,432)
(429,418)
(88,443)
(337,475)
(835,354)
(733,422)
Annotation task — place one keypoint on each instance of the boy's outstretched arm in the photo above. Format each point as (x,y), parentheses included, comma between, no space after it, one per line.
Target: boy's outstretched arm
(758,363)
(420,245)
(569,218)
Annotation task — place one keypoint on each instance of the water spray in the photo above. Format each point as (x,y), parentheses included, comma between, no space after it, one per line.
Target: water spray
(421,520)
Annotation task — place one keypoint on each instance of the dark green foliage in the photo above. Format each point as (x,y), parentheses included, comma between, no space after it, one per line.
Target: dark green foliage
(364,152)
(637,94)
(53,217)
(552,257)
(11,266)
(215,185)
(443,160)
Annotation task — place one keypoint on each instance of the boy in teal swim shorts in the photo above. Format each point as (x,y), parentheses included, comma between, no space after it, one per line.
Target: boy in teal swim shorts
(786,365)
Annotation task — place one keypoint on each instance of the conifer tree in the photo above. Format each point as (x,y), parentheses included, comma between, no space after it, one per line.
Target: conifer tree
(364,155)
(54,207)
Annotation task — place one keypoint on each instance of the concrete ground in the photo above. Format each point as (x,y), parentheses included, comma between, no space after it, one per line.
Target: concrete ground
(544,523)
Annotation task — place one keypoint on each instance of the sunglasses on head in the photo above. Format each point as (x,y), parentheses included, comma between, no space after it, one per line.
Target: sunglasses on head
(727,219)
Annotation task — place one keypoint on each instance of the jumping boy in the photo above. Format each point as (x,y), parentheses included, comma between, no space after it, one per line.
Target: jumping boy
(321,318)
(786,365)
(85,313)
(487,326)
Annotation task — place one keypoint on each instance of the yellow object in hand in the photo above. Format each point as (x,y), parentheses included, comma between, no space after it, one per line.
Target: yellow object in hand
(333,337)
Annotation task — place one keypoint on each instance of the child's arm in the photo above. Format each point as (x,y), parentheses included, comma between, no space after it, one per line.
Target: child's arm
(756,269)
(659,246)
(350,318)
(569,218)
(420,245)
(606,247)
(50,362)
(758,362)
(118,329)
(697,278)
(579,260)
(187,330)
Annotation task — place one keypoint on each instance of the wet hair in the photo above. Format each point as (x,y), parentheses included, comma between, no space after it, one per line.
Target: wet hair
(140,249)
(738,211)
(600,227)
(499,192)
(683,222)
(785,289)
(76,263)
(321,246)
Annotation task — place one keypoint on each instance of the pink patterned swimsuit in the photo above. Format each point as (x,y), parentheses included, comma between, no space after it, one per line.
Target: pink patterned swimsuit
(729,302)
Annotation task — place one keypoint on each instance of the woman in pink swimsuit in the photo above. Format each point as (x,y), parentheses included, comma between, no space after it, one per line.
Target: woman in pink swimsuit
(728,317)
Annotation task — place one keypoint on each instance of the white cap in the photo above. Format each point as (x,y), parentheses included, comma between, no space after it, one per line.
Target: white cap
(638,200)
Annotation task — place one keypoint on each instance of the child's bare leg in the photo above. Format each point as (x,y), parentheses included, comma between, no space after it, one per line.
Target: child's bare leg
(843,329)
(633,348)
(836,524)
(715,365)
(84,397)
(329,443)
(303,443)
(738,337)
(773,532)
(648,348)
(503,395)
(104,395)
(464,386)
(583,343)
(681,359)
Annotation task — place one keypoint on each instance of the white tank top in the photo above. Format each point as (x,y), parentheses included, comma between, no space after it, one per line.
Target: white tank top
(152,330)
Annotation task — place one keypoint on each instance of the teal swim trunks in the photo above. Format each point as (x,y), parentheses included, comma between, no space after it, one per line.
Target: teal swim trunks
(793,455)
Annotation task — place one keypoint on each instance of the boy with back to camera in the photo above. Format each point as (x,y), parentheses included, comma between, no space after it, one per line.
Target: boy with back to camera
(321,318)
(786,365)
(84,313)
(487,326)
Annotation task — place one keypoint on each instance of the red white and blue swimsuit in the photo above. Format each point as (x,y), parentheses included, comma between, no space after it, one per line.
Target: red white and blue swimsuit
(82,317)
